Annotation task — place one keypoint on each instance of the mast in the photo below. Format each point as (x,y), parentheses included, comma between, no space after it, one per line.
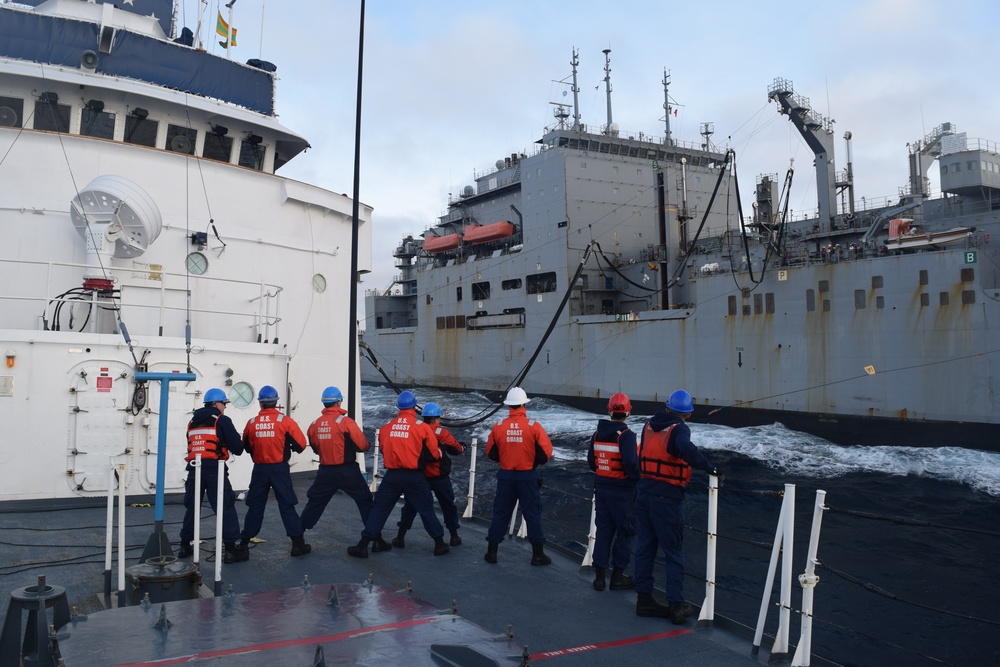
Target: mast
(666,105)
(607,83)
(576,92)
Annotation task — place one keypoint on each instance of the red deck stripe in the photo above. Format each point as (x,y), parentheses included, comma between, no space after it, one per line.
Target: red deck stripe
(208,655)
(618,642)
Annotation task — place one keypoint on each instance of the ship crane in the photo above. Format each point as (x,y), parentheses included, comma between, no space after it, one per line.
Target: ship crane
(929,146)
(817,130)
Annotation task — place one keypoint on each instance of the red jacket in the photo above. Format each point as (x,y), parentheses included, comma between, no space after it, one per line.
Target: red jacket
(408,443)
(448,445)
(271,436)
(519,443)
(336,437)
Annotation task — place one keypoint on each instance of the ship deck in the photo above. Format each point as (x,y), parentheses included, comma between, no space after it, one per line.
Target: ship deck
(401,605)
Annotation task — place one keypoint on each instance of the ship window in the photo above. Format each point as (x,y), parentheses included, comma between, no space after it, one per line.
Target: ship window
(480,291)
(584,144)
(925,299)
(605,147)
(140,130)
(746,308)
(956,167)
(826,305)
(943,298)
(450,322)
(95,122)
(923,276)
(514,283)
(732,306)
(50,115)
(440,323)
(460,321)
(217,147)
(769,303)
(181,139)
(428,299)
(615,148)
(876,282)
(859,299)
(458,293)
(968,296)
(758,304)
(880,302)
(968,275)
(252,152)
(11,112)
(972,165)
(540,283)
(824,286)
(810,300)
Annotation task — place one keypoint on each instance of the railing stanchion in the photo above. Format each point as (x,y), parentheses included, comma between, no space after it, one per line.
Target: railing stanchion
(787,511)
(472,480)
(808,579)
(220,511)
(109,530)
(196,542)
(707,615)
(588,558)
(121,534)
(373,486)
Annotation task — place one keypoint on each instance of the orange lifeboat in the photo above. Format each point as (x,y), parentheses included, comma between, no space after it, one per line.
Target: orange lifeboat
(441,243)
(491,232)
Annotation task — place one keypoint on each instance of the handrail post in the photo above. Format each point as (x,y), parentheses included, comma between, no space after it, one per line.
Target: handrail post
(109,530)
(707,615)
(787,509)
(197,509)
(588,558)
(121,534)
(373,486)
(808,580)
(513,518)
(220,511)
(470,498)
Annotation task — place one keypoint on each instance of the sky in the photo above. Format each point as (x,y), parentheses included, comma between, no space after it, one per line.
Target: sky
(450,87)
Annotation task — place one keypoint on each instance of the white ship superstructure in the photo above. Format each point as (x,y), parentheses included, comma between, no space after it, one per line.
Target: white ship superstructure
(146,230)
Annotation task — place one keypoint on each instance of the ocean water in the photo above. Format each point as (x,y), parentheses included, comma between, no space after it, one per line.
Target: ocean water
(905,552)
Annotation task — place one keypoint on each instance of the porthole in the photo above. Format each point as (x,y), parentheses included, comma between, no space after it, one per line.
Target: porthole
(197,263)
(319,283)
(242,394)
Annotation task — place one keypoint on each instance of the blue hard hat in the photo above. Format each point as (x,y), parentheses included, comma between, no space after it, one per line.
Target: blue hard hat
(331,395)
(680,401)
(406,400)
(267,393)
(432,410)
(216,396)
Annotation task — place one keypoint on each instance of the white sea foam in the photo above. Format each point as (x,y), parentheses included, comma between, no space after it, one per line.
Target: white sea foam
(773,445)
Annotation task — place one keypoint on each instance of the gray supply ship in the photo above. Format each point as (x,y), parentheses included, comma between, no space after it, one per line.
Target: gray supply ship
(608,261)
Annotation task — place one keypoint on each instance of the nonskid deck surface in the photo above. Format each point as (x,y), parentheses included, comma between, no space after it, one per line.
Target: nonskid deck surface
(271,619)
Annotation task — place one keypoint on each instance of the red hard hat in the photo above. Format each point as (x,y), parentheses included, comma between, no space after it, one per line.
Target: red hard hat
(619,403)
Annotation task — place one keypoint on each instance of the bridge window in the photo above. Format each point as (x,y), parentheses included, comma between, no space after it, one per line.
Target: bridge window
(50,115)
(139,129)
(181,139)
(252,152)
(217,147)
(96,122)
(514,283)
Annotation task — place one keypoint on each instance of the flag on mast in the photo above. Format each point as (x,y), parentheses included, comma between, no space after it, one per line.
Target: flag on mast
(223,30)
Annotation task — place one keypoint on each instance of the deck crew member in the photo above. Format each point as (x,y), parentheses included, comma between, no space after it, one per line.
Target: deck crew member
(408,446)
(614,458)
(439,477)
(337,439)
(666,457)
(271,437)
(212,434)
(520,445)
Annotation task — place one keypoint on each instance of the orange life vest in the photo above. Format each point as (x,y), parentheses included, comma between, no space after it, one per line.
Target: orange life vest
(204,440)
(657,463)
(608,458)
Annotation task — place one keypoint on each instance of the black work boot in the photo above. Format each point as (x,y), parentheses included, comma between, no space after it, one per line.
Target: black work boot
(679,612)
(244,548)
(440,548)
(598,578)
(621,581)
(359,550)
(538,556)
(185,550)
(455,539)
(299,546)
(491,552)
(379,544)
(232,554)
(646,605)
(399,542)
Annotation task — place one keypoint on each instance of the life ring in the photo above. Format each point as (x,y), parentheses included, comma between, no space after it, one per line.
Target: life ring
(986,238)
